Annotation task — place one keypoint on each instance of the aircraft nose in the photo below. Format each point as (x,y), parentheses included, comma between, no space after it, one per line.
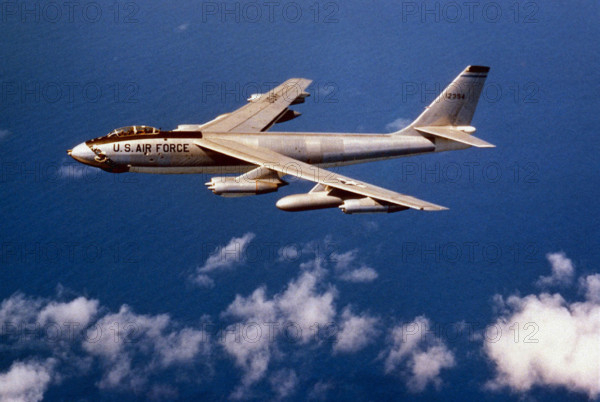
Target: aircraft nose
(82,153)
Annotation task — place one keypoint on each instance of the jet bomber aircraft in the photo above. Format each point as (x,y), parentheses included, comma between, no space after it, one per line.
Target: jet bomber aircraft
(238,142)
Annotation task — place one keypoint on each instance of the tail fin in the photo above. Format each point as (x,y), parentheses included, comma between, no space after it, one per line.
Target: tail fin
(456,105)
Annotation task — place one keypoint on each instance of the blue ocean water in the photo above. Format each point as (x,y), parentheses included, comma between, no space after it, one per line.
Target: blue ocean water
(136,239)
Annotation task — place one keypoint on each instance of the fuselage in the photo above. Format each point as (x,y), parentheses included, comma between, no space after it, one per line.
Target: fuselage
(174,152)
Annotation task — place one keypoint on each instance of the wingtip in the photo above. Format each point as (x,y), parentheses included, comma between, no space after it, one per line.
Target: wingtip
(299,79)
(434,208)
(477,69)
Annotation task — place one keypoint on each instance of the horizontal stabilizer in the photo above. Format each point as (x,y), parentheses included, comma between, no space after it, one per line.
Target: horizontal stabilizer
(453,134)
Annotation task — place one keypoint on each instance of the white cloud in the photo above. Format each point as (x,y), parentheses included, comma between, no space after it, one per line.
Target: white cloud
(417,354)
(228,256)
(590,285)
(26,381)
(316,264)
(289,253)
(320,390)
(557,344)
(284,383)
(297,314)
(132,350)
(252,342)
(223,257)
(129,347)
(355,331)
(344,266)
(562,270)
(427,365)
(252,356)
(256,308)
(183,27)
(343,261)
(125,328)
(204,281)
(304,306)
(397,124)
(78,312)
(360,275)
(19,309)
(125,335)
(181,347)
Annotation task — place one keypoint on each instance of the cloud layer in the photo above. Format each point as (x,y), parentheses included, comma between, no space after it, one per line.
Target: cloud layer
(129,348)
(293,315)
(547,340)
(544,339)
(417,355)
(347,269)
(562,271)
(26,381)
(303,313)
(223,258)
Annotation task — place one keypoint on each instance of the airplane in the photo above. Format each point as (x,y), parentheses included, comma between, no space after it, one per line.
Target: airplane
(238,142)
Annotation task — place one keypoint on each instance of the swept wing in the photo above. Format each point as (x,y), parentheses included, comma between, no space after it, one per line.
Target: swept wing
(261,112)
(269,159)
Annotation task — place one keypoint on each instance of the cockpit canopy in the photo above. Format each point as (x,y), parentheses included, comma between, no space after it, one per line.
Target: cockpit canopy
(133,130)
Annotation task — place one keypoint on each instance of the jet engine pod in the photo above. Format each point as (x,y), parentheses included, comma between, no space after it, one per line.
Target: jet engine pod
(236,187)
(308,201)
(368,205)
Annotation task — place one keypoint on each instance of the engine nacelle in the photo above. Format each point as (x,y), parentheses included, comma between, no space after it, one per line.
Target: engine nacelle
(368,205)
(308,201)
(235,187)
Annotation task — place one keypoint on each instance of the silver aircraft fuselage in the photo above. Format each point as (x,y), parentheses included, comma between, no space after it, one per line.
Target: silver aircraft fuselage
(174,152)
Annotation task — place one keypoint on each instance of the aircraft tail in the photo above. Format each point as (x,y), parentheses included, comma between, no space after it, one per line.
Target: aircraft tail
(455,106)
(449,115)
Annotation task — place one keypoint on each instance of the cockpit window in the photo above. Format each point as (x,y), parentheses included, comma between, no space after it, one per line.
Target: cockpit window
(133,130)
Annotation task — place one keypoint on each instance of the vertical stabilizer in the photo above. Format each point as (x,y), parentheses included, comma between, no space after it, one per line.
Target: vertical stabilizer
(456,105)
